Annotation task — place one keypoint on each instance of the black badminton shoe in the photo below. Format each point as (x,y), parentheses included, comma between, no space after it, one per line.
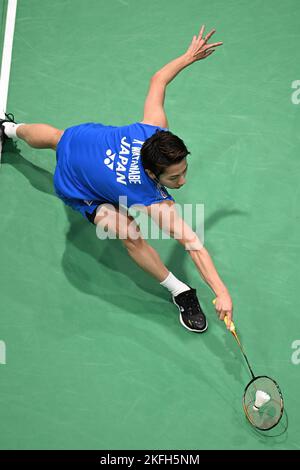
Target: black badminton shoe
(191,315)
(8,118)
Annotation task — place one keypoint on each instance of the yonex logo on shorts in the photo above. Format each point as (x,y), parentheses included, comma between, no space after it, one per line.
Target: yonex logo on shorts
(109,161)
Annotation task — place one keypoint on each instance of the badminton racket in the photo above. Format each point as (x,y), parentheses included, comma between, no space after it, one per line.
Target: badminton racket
(262,399)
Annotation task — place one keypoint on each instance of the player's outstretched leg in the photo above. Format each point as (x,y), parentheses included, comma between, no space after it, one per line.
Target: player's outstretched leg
(40,136)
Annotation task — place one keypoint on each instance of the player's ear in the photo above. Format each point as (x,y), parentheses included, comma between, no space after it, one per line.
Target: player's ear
(150,174)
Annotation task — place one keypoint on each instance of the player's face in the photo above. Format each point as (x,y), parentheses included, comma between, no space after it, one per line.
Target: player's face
(175,175)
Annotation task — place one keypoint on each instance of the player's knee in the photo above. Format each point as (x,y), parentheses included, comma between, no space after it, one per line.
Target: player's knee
(133,245)
(118,224)
(106,221)
(134,240)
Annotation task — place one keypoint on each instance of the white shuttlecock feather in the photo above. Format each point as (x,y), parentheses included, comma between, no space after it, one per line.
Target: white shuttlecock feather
(261,398)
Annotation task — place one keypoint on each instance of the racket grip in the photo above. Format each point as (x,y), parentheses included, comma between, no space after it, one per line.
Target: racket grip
(232,326)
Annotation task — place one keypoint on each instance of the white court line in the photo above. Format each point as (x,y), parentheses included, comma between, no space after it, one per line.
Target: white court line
(7,53)
(6,56)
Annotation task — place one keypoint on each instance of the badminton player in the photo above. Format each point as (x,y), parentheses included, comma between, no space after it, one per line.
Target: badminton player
(97,164)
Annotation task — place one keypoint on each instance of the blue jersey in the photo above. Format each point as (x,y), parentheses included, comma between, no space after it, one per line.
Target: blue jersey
(98,163)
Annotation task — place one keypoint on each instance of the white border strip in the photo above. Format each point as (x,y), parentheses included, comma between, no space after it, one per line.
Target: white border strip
(7,53)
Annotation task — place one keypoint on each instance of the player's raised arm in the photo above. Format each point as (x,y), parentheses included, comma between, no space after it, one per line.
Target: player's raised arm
(154,112)
(198,49)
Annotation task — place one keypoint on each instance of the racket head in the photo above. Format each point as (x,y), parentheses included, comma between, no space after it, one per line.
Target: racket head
(268,415)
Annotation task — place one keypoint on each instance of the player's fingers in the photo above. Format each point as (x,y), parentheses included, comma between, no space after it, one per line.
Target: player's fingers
(209,52)
(229,319)
(201,31)
(222,315)
(209,35)
(218,308)
(193,41)
(215,44)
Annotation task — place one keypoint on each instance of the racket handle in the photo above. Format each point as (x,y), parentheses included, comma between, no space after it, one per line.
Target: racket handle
(232,325)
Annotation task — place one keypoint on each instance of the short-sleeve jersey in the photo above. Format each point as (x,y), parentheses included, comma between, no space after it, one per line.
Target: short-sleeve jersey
(102,163)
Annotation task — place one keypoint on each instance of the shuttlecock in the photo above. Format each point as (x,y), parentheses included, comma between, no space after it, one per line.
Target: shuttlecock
(261,398)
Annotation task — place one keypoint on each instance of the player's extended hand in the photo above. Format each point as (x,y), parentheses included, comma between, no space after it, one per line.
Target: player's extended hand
(223,305)
(199,49)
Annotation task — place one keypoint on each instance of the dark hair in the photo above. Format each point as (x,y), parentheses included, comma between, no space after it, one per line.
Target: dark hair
(161,150)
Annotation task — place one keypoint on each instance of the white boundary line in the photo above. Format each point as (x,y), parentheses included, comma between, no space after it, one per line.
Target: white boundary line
(7,53)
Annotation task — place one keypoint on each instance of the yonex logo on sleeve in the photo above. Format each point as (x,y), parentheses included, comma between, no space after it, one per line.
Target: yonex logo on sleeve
(109,161)
(161,191)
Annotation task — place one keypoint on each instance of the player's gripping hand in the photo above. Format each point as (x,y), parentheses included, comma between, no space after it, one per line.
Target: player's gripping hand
(223,305)
(199,49)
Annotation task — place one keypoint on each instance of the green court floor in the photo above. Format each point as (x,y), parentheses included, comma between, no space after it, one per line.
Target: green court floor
(95,355)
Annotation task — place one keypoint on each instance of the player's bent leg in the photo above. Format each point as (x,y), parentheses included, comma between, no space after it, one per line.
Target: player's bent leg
(117,222)
(40,136)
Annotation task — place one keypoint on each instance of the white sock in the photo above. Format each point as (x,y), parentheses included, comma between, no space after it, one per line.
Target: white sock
(10,129)
(174,285)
